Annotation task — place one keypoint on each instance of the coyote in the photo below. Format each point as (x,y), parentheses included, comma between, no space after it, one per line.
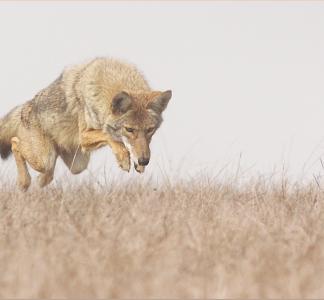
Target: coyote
(102,102)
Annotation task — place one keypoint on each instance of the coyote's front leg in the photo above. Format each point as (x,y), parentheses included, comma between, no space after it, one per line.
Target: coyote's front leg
(92,139)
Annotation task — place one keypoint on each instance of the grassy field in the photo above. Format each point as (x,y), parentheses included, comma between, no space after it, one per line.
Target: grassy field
(193,239)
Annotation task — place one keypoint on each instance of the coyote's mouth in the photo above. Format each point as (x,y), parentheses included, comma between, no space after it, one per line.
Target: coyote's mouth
(139,168)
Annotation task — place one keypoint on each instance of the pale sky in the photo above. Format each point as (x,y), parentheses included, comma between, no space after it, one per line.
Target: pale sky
(247,77)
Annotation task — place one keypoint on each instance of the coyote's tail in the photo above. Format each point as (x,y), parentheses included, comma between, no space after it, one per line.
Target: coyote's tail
(8,129)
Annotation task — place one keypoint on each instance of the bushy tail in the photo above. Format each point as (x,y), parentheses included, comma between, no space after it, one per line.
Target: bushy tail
(8,129)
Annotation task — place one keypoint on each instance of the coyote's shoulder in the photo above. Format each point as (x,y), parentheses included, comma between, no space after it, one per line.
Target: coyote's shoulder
(107,97)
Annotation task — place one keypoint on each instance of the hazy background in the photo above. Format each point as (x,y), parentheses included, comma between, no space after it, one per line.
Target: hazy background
(247,77)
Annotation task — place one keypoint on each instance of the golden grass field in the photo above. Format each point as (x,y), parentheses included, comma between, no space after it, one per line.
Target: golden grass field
(191,239)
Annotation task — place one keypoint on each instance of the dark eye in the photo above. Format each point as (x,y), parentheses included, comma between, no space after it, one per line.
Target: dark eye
(149,130)
(128,129)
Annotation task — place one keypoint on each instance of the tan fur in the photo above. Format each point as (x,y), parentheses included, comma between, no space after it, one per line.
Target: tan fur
(89,106)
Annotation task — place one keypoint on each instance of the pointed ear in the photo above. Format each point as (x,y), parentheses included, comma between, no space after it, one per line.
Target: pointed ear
(121,103)
(160,102)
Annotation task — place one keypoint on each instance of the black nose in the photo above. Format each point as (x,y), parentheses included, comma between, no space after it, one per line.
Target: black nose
(143,161)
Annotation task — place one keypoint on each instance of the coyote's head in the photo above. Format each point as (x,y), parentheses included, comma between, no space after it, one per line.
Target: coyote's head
(135,118)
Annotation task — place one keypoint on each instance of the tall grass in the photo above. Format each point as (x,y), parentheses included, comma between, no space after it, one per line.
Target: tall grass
(200,238)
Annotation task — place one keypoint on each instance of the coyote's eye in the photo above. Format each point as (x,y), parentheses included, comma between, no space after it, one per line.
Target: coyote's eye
(150,130)
(128,129)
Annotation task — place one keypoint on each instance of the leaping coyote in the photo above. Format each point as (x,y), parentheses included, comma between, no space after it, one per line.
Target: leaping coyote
(103,102)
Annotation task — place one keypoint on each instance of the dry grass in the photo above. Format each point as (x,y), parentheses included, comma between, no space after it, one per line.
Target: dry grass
(195,239)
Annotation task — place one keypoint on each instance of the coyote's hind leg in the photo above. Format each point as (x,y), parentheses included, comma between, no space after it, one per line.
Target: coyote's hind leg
(45,178)
(33,147)
(24,179)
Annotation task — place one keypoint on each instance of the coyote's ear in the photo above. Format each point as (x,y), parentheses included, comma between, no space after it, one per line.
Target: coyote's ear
(160,102)
(121,103)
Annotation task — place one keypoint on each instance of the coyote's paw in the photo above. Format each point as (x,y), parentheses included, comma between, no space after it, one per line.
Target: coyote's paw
(139,168)
(24,183)
(123,159)
(125,164)
(44,179)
